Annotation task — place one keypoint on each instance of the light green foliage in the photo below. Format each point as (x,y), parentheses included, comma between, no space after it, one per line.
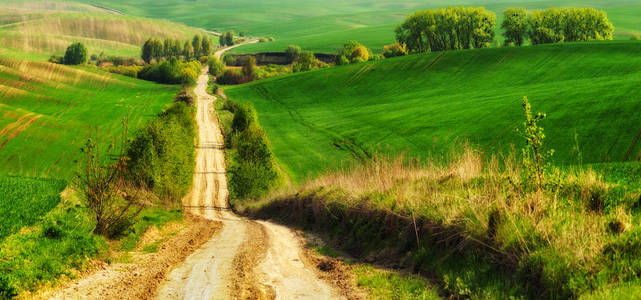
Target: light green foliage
(306,62)
(62,240)
(395,49)
(533,154)
(293,52)
(391,285)
(152,49)
(76,54)
(227,38)
(196,44)
(24,200)
(205,49)
(422,104)
(515,25)
(172,71)
(568,24)
(216,67)
(449,28)
(188,50)
(354,52)
(162,153)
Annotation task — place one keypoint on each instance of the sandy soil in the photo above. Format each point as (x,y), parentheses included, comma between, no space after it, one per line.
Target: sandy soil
(247,259)
(140,279)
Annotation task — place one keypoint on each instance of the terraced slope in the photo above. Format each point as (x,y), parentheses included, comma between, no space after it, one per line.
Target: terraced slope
(423,104)
(47,111)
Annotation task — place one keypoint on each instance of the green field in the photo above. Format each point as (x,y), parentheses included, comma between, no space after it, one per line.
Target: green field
(423,104)
(31,198)
(323,26)
(49,110)
(38,31)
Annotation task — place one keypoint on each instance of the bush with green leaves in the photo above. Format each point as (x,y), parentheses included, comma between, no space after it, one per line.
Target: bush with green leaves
(293,52)
(172,71)
(76,54)
(163,153)
(534,156)
(306,62)
(393,50)
(216,67)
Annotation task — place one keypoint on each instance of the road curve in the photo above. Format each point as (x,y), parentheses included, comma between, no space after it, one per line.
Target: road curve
(247,259)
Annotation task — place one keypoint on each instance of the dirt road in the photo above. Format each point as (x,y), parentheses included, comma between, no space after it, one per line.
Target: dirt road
(246,259)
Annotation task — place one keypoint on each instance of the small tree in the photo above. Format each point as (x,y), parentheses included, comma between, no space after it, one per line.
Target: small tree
(76,54)
(249,68)
(393,50)
(515,25)
(196,44)
(188,51)
(293,52)
(534,156)
(216,67)
(206,46)
(104,186)
(306,62)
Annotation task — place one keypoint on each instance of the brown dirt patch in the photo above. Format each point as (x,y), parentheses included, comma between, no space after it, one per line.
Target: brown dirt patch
(141,279)
(251,253)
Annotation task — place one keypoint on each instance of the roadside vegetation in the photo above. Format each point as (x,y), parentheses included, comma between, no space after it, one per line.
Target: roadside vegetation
(483,226)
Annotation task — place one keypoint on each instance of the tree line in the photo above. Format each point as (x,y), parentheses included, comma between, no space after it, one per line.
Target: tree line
(451,28)
(555,25)
(155,49)
(456,28)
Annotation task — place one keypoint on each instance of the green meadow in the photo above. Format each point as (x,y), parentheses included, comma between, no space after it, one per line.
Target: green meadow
(423,105)
(323,26)
(48,111)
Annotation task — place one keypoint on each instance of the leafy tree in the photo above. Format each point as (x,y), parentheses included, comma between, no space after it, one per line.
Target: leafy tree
(447,29)
(515,25)
(545,26)
(196,44)
(355,52)
(177,48)
(293,52)
(249,68)
(76,54)
(306,62)
(395,49)
(188,51)
(206,47)
(216,67)
(167,48)
(229,38)
(341,60)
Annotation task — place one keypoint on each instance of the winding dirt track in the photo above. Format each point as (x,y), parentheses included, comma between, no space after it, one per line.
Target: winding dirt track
(246,259)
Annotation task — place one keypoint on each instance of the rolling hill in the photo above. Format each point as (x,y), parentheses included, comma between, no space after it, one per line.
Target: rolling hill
(37,32)
(323,26)
(424,104)
(49,110)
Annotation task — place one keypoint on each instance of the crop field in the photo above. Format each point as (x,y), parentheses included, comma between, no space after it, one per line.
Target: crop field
(49,110)
(424,104)
(37,34)
(323,26)
(31,198)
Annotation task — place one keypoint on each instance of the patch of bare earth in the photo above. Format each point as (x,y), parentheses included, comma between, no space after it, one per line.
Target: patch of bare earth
(244,281)
(140,279)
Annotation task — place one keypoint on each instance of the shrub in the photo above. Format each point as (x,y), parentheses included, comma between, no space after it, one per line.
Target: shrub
(131,71)
(342,60)
(76,54)
(172,72)
(395,49)
(231,76)
(635,37)
(293,52)
(354,52)
(244,115)
(185,96)
(104,187)
(534,156)
(306,62)
(162,153)
(216,67)
(56,59)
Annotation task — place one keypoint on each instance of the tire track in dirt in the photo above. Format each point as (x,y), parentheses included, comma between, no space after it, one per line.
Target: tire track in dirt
(247,259)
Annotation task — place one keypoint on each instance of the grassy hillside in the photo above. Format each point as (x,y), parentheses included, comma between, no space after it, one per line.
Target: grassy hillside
(48,110)
(34,33)
(423,104)
(324,25)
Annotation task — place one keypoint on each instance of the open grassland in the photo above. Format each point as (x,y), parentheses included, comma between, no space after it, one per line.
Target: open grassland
(31,198)
(422,104)
(49,110)
(38,34)
(323,26)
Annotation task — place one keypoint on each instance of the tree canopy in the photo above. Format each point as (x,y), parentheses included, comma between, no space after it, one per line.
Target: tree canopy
(76,54)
